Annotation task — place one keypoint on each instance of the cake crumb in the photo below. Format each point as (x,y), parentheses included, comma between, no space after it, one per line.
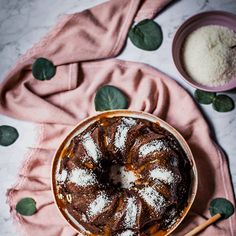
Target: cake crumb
(69,198)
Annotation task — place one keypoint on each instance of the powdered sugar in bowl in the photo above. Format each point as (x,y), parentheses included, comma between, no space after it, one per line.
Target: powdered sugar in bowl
(206,75)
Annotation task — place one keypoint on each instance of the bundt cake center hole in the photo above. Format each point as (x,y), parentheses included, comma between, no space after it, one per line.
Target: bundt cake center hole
(117,175)
(121,176)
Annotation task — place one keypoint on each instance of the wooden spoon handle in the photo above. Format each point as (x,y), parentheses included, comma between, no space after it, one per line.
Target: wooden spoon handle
(204,225)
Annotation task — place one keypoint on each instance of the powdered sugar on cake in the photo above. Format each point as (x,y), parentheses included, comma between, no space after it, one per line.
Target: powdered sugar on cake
(120,175)
(153,146)
(153,198)
(173,217)
(163,175)
(131,213)
(91,147)
(82,177)
(61,177)
(84,218)
(122,131)
(127,233)
(98,205)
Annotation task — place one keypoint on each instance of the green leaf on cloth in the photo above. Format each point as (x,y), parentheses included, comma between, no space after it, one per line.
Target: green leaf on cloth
(43,69)
(223,103)
(110,98)
(8,135)
(147,35)
(26,206)
(221,206)
(204,97)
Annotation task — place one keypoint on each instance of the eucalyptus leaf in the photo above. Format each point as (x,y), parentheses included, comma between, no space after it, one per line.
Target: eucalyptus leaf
(26,206)
(204,97)
(43,69)
(223,103)
(8,135)
(110,98)
(147,35)
(222,206)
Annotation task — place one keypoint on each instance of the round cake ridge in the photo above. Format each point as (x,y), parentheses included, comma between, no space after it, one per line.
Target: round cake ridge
(122,175)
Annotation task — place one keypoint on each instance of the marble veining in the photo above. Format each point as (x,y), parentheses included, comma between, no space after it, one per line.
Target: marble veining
(23,23)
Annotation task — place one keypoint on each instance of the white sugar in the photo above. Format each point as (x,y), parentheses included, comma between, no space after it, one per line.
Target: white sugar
(153,198)
(98,205)
(126,178)
(120,136)
(171,220)
(153,146)
(131,213)
(118,215)
(127,233)
(61,177)
(91,147)
(84,218)
(122,131)
(129,121)
(82,177)
(163,175)
(208,56)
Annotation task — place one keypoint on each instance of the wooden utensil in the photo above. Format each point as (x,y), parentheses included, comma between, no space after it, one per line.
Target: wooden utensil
(204,225)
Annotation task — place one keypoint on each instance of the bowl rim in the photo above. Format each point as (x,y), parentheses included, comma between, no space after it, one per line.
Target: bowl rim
(83,124)
(189,80)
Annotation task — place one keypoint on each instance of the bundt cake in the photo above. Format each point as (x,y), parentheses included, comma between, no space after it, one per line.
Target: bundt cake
(123,176)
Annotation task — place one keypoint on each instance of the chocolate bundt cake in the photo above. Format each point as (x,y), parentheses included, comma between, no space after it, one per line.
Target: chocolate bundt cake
(123,176)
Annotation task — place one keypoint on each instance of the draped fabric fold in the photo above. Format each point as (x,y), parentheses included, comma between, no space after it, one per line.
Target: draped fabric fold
(81,46)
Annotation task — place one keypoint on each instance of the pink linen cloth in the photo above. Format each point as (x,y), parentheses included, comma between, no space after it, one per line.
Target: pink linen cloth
(76,46)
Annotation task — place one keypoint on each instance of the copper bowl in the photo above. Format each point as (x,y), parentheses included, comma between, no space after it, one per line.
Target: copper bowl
(127,113)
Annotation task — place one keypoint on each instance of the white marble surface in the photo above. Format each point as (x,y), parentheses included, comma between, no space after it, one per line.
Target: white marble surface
(22,23)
